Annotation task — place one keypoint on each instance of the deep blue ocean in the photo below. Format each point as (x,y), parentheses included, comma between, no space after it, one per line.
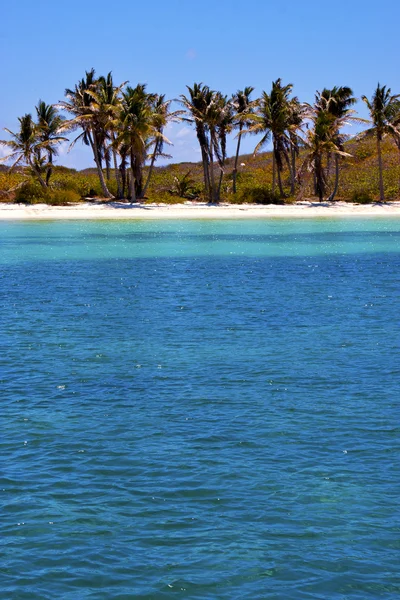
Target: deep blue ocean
(200,410)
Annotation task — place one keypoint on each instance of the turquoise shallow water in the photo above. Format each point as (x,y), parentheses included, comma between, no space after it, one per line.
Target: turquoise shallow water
(200,410)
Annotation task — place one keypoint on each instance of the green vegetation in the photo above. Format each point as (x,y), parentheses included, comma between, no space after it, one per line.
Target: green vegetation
(385,117)
(274,119)
(124,127)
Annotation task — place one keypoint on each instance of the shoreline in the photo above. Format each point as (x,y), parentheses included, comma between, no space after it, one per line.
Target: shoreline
(192,210)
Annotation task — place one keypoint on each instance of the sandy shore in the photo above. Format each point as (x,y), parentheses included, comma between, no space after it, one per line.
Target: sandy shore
(188,210)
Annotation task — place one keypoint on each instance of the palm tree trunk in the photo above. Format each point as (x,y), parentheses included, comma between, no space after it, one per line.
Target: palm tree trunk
(107,159)
(133,179)
(132,186)
(328,164)
(202,139)
(398,146)
(133,182)
(319,182)
(117,176)
(146,185)
(292,174)
(212,186)
(38,174)
(41,180)
(117,173)
(276,172)
(49,168)
(381,189)
(292,170)
(104,188)
(282,193)
(153,158)
(139,180)
(206,171)
(335,189)
(219,185)
(122,171)
(236,159)
(273,171)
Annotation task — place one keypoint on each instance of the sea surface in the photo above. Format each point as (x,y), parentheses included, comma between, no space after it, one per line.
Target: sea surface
(200,410)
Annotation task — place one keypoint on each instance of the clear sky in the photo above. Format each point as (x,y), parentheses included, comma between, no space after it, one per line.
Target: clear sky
(46,46)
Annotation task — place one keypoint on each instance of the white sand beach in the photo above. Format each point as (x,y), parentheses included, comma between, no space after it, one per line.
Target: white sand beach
(195,210)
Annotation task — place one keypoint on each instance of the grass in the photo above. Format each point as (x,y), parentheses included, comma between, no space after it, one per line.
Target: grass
(179,182)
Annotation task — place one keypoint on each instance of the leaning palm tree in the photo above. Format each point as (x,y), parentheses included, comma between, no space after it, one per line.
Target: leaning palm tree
(382,107)
(82,104)
(161,117)
(242,106)
(48,128)
(25,148)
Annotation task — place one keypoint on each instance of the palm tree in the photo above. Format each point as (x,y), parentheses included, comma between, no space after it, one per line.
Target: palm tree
(295,123)
(25,147)
(108,99)
(382,107)
(83,106)
(395,124)
(196,108)
(243,106)
(321,141)
(161,116)
(137,123)
(49,125)
(273,119)
(337,102)
(225,127)
(218,120)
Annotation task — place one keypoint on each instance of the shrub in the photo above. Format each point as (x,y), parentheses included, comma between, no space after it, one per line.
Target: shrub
(33,193)
(9,183)
(61,197)
(391,192)
(185,187)
(361,197)
(259,194)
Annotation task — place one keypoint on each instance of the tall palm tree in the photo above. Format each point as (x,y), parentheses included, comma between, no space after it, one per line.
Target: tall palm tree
(321,141)
(273,119)
(49,126)
(137,123)
(225,126)
(196,108)
(295,123)
(243,106)
(25,147)
(82,104)
(108,99)
(337,101)
(382,107)
(218,119)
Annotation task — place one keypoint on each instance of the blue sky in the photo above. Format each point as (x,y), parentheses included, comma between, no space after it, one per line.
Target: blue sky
(47,46)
